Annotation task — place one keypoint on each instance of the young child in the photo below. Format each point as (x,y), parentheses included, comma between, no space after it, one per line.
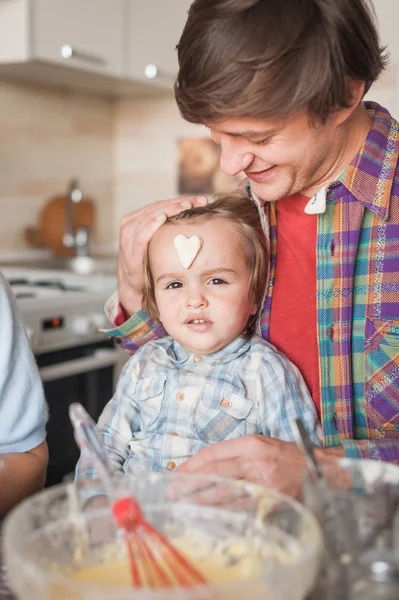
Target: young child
(211,378)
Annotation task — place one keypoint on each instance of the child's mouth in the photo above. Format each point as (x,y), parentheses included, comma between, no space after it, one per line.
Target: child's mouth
(199,324)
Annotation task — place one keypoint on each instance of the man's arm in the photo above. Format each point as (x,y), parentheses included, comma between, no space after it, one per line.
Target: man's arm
(280,464)
(21,475)
(386,449)
(259,459)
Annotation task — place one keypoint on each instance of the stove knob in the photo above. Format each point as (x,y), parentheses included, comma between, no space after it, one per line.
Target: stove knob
(99,321)
(81,326)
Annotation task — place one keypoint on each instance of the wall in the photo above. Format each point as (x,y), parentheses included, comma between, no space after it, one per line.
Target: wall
(124,154)
(46,138)
(145,151)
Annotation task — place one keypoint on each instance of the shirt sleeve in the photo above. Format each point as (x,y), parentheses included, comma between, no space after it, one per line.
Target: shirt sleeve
(23,411)
(383,449)
(116,425)
(283,397)
(136,331)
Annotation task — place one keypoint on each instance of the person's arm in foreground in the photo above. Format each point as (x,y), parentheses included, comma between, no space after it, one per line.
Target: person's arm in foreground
(23,450)
(133,326)
(21,475)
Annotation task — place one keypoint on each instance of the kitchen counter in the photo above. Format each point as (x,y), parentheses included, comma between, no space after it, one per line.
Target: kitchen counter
(85,265)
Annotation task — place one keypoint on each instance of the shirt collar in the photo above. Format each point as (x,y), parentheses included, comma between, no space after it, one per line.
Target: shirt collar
(370,175)
(179,354)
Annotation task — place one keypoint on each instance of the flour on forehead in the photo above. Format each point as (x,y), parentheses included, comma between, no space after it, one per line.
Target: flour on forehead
(187,249)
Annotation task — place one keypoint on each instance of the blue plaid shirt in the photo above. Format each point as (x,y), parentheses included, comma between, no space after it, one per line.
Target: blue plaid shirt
(170,403)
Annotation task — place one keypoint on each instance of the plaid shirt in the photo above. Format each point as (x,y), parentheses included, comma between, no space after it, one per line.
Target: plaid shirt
(357,274)
(170,403)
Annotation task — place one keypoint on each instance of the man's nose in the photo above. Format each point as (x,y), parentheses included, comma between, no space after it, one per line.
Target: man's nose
(234,157)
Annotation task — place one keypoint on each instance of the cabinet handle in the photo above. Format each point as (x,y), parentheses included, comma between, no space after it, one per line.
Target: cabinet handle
(67,52)
(151,71)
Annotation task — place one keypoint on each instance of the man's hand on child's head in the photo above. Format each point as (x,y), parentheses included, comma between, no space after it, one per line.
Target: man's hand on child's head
(136,231)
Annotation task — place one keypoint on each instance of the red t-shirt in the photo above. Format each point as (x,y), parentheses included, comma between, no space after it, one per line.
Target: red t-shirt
(293,312)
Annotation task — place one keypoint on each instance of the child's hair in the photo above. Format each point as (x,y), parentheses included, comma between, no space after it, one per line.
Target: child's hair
(242,212)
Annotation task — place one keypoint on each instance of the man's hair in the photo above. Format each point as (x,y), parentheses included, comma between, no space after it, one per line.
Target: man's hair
(273,58)
(243,214)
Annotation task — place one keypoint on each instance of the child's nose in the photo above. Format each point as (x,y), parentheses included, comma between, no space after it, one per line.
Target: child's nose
(196,300)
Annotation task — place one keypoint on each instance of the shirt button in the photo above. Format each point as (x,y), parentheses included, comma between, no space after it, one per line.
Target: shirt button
(179,396)
(225,403)
(197,357)
(171,465)
(331,333)
(173,433)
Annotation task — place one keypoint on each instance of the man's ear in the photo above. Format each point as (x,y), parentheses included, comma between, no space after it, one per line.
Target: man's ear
(356,90)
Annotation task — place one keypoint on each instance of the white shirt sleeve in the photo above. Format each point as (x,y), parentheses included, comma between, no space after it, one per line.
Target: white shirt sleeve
(23,411)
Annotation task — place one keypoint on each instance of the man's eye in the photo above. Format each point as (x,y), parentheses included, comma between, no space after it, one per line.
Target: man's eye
(217,281)
(262,142)
(174,285)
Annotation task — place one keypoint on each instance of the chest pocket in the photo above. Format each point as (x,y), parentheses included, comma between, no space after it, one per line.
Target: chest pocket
(221,414)
(382,377)
(149,395)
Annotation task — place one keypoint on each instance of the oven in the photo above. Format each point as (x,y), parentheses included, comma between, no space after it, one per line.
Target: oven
(85,374)
(63,316)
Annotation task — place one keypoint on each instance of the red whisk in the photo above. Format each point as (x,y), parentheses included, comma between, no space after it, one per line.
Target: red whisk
(154,562)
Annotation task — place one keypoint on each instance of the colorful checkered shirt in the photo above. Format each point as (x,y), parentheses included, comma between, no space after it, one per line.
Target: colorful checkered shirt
(357,269)
(170,403)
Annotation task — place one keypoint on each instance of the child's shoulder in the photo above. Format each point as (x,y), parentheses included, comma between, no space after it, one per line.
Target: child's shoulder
(261,346)
(263,352)
(154,350)
(148,359)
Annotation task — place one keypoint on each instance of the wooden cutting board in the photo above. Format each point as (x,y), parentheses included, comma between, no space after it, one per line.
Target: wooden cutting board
(53,219)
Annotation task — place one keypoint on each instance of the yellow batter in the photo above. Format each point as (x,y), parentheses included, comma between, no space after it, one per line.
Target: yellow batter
(236,561)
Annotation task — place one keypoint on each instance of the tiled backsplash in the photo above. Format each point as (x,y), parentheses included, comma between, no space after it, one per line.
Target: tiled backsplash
(46,138)
(124,153)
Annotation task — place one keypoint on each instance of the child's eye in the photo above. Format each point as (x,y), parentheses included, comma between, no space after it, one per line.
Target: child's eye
(175,285)
(217,281)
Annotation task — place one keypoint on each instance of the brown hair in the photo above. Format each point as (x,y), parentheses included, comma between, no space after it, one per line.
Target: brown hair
(273,58)
(242,212)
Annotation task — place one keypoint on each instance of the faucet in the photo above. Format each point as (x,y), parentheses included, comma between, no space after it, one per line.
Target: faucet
(80,238)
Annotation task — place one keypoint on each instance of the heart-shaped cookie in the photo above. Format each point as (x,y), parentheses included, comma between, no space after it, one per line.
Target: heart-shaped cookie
(187,249)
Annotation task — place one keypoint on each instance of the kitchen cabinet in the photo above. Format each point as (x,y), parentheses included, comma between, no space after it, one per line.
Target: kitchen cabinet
(88,34)
(155,27)
(108,47)
(82,34)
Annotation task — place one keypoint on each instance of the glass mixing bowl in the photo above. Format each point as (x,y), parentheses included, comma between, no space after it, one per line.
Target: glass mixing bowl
(266,545)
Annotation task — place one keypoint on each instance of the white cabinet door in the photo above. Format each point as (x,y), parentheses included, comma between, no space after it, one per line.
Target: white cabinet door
(86,34)
(155,27)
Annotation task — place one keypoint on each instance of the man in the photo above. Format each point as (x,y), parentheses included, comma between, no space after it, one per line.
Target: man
(280,85)
(23,449)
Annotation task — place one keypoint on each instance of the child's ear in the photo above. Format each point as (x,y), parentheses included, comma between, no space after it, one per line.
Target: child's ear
(254,309)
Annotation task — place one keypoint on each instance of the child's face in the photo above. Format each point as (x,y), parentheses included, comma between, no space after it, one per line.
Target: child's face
(214,290)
